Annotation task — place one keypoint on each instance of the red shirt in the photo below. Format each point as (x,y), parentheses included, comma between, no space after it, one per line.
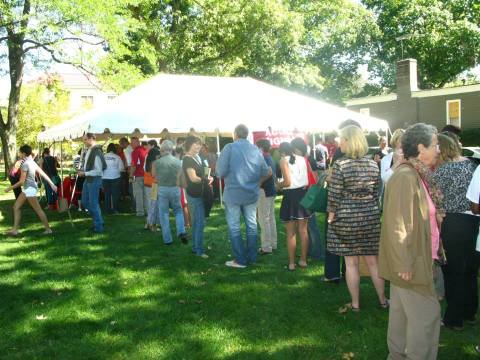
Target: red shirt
(138,160)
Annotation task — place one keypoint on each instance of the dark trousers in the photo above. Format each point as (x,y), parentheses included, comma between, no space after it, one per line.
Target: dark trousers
(316,237)
(333,263)
(111,191)
(51,196)
(459,234)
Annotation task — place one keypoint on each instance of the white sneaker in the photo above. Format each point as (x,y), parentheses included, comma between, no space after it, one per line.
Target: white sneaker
(204,256)
(234,264)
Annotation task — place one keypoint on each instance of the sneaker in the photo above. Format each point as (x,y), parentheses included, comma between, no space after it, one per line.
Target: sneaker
(204,256)
(263,252)
(335,281)
(451,327)
(183,238)
(234,264)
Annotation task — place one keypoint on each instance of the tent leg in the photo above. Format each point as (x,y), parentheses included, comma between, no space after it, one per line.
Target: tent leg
(219,180)
(313,146)
(61,166)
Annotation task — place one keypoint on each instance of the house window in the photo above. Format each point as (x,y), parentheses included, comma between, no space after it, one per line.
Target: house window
(365,111)
(87,101)
(454,112)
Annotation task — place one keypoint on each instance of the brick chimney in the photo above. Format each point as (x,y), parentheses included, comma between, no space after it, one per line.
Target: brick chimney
(407,76)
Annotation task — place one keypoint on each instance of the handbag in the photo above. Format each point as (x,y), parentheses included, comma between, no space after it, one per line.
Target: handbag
(316,198)
(148,179)
(312,180)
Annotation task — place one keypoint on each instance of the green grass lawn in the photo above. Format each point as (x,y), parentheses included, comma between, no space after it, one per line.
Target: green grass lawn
(124,295)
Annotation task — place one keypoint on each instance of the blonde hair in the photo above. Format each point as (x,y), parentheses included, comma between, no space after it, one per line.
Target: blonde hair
(396,137)
(449,149)
(357,146)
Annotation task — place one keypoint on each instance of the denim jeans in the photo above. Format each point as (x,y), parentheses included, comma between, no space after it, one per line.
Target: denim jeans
(249,255)
(197,212)
(169,197)
(111,190)
(316,247)
(90,195)
(152,217)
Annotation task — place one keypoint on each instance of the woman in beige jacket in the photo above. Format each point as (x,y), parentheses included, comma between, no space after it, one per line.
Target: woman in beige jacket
(409,243)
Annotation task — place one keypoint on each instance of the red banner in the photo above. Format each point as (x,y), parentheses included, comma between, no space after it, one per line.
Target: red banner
(277,137)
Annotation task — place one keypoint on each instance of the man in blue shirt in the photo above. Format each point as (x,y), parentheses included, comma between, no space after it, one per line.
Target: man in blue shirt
(243,168)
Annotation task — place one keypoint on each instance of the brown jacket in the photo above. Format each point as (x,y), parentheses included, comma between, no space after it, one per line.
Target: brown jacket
(405,240)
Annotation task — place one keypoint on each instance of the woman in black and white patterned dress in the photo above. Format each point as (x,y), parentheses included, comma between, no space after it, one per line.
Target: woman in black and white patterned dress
(354,214)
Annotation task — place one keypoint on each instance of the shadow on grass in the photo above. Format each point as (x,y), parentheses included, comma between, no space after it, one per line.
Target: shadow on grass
(124,295)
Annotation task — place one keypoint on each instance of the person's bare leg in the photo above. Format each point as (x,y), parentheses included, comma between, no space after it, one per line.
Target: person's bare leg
(378,282)
(17,214)
(303,232)
(33,201)
(353,279)
(291,227)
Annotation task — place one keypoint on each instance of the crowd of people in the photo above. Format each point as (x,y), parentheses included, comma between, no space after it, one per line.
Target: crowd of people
(408,212)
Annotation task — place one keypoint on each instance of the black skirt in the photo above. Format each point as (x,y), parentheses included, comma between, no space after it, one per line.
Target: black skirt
(291,210)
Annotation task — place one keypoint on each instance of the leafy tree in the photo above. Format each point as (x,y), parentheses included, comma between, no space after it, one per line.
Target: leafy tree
(39,31)
(338,37)
(443,35)
(44,103)
(313,46)
(259,38)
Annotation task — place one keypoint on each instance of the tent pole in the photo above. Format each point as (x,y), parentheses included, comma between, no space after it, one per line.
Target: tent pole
(219,179)
(313,146)
(61,167)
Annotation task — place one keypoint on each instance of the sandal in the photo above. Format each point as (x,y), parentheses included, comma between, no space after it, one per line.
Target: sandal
(287,267)
(263,252)
(385,305)
(347,308)
(302,264)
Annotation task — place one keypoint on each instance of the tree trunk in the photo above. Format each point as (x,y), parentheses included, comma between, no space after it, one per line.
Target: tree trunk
(8,149)
(8,129)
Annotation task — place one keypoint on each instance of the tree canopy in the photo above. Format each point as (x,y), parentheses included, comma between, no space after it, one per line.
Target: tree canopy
(38,31)
(312,46)
(443,35)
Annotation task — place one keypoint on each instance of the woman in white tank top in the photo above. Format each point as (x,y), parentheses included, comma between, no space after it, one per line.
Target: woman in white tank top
(295,216)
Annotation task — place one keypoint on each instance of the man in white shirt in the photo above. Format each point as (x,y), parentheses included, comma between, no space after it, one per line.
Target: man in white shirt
(127,186)
(93,168)
(112,179)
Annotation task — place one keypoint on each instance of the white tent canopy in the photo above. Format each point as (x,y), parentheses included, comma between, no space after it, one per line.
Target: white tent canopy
(211,105)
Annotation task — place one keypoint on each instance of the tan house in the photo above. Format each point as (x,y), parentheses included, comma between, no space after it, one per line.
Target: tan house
(459,106)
